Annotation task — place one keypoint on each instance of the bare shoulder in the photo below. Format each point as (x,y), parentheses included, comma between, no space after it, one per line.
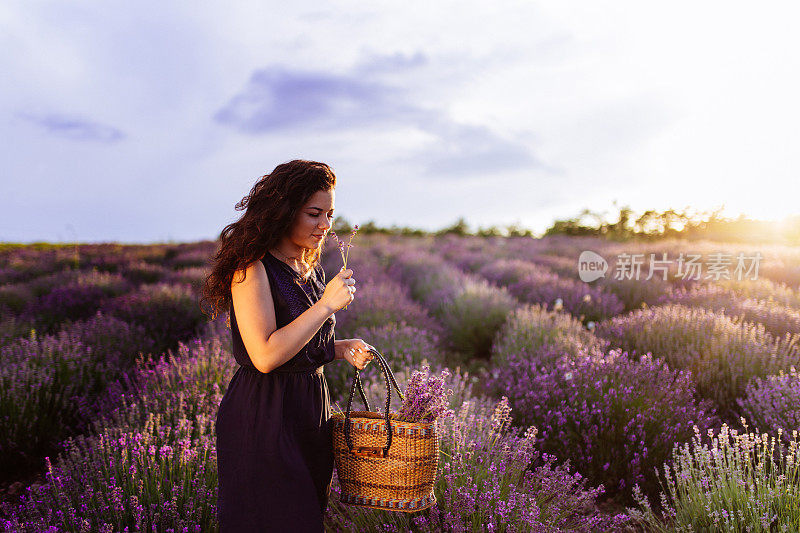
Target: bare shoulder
(250,287)
(254,272)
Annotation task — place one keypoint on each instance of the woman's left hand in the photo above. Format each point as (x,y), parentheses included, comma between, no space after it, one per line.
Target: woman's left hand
(355,351)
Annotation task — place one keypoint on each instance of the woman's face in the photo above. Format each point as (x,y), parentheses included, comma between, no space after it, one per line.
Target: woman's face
(314,220)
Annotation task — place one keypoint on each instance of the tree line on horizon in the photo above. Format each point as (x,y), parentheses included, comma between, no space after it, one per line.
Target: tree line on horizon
(649,225)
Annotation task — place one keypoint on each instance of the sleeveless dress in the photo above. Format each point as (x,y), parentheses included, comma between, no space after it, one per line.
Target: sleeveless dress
(274,448)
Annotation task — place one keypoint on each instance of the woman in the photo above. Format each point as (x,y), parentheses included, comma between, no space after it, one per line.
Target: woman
(274,447)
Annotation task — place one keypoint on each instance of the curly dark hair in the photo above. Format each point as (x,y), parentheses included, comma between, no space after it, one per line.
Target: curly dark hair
(271,208)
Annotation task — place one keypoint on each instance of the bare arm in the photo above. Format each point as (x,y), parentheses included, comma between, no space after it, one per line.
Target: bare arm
(268,346)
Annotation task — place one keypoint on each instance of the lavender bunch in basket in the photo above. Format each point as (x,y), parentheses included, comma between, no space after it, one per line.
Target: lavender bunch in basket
(426,397)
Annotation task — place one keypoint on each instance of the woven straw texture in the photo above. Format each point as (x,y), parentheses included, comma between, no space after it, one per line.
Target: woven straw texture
(402,481)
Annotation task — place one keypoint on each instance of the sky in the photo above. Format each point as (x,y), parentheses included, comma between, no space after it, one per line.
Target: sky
(143,122)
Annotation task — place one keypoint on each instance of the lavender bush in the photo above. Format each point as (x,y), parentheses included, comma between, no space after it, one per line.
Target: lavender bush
(161,478)
(140,272)
(69,296)
(539,331)
(728,482)
(14,297)
(365,262)
(12,327)
(470,261)
(504,272)
(559,264)
(635,293)
(110,284)
(585,302)
(723,354)
(112,339)
(197,255)
(470,309)
(777,319)
(615,418)
(45,385)
(773,402)
(466,253)
(472,318)
(72,302)
(169,313)
(195,277)
(20,263)
(784,270)
(150,463)
(9,275)
(763,289)
(380,303)
(187,384)
(112,263)
(430,280)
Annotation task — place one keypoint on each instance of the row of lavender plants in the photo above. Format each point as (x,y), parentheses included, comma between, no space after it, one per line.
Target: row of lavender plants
(724,354)
(778,268)
(769,401)
(151,466)
(469,309)
(747,306)
(554,261)
(560,349)
(534,283)
(618,431)
(550,366)
(66,334)
(760,302)
(149,462)
(614,417)
(777,315)
(619,411)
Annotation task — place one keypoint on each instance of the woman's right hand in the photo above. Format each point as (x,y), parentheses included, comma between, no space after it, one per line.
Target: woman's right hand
(339,291)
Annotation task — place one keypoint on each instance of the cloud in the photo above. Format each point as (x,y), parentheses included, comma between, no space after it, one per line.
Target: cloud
(282,99)
(466,149)
(278,99)
(74,128)
(391,63)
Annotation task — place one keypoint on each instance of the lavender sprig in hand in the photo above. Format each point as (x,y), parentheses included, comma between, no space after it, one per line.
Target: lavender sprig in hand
(342,245)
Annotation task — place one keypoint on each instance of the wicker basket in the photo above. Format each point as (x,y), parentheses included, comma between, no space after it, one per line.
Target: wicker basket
(383,463)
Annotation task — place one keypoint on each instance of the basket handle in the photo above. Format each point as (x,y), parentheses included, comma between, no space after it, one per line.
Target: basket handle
(372,451)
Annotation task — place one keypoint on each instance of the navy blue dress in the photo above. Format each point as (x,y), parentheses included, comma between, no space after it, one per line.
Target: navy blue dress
(274,448)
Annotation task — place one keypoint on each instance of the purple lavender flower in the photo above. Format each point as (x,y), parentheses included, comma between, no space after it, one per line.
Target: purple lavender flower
(774,402)
(426,398)
(342,245)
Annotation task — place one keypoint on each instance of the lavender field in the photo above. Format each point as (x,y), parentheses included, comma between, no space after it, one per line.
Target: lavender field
(619,404)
